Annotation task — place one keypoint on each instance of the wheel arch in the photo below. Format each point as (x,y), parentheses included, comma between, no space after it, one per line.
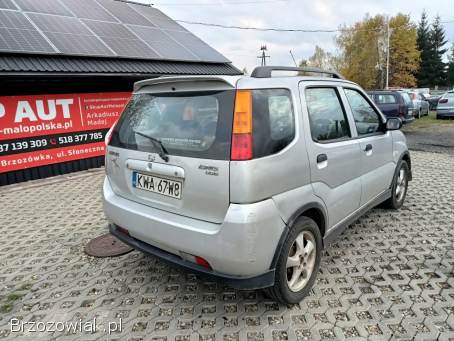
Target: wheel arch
(406,157)
(315,211)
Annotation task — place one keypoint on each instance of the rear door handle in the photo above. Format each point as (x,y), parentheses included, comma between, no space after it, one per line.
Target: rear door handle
(322,158)
(368,148)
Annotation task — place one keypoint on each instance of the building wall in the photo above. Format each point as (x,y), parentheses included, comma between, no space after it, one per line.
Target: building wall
(34,85)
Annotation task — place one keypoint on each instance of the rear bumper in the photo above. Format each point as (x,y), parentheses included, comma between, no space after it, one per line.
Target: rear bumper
(408,119)
(240,249)
(445,113)
(256,282)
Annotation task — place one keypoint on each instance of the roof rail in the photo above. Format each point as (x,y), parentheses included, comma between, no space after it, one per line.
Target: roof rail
(266,71)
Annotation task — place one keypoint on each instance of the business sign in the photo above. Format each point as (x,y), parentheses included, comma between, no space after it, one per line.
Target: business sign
(45,129)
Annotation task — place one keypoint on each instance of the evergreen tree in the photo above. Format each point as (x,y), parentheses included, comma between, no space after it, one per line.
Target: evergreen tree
(450,73)
(424,46)
(438,42)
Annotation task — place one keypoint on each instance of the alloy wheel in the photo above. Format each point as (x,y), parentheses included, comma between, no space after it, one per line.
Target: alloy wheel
(401,186)
(301,261)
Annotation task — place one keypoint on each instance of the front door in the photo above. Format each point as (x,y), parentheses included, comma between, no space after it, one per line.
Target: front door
(377,165)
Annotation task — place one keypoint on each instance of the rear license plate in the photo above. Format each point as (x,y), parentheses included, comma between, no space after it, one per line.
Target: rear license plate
(155,184)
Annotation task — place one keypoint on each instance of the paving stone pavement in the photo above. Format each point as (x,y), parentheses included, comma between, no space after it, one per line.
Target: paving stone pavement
(389,276)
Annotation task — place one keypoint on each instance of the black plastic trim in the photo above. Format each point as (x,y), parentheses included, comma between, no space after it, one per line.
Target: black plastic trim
(406,153)
(257,282)
(306,207)
(277,252)
(334,232)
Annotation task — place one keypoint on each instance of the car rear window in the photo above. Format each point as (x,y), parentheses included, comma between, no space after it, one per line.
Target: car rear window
(193,124)
(385,99)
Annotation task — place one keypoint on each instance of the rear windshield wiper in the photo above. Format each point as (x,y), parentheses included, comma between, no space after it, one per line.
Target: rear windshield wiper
(162,150)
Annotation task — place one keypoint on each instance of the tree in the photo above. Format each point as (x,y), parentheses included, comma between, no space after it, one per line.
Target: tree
(360,51)
(438,42)
(450,72)
(321,59)
(404,54)
(425,49)
(363,52)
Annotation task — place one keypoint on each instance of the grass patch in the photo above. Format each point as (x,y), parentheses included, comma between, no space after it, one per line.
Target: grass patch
(6,308)
(429,120)
(13,297)
(8,302)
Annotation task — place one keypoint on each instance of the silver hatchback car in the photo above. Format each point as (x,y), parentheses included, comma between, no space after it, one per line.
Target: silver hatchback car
(445,107)
(246,179)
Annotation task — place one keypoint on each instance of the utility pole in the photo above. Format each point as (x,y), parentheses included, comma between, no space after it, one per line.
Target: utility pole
(388,33)
(263,56)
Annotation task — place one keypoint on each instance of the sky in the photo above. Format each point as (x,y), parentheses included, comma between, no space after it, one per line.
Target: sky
(243,47)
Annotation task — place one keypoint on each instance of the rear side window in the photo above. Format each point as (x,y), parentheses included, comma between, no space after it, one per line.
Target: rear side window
(406,97)
(385,99)
(193,124)
(449,95)
(273,121)
(326,115)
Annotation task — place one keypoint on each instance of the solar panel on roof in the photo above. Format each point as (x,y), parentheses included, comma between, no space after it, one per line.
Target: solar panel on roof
(107,29)
(43,6)
(69,35)
(88,10)
(123,12)
(120,39)
(163,44)
(158,18)
(17,34)
(98,28)
(7,4)
(196,46)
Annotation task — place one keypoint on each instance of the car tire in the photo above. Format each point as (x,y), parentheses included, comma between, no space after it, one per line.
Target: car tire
(298,263)
(399,186)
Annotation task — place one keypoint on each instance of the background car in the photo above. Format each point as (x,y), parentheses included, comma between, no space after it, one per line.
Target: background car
(434,97)
(394,103)
(445,108)
(420,104)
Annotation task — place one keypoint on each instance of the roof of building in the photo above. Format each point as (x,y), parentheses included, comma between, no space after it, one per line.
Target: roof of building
(37,64)
(101,37)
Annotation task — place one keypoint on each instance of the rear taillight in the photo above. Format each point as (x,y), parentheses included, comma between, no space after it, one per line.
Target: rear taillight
(443,100)
(203,262)
(123,230)
(242,127)
(109,134)
(402,110)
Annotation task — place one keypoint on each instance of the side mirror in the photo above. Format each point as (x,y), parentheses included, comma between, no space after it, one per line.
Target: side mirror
(393,123)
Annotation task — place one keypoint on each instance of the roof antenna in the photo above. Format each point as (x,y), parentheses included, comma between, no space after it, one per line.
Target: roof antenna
(293,58)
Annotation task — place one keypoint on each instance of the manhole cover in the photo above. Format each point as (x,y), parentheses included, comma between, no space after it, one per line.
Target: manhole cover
(107,246)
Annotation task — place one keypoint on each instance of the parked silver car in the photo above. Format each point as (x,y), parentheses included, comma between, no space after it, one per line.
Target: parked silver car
(247,179)
(420,104)
(445,108)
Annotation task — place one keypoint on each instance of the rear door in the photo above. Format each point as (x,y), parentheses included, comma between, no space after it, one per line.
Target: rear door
(377,165)
(193,122)
(333,151)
